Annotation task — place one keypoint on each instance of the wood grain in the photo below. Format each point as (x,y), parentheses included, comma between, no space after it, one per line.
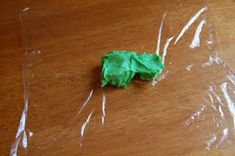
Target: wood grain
(65,41)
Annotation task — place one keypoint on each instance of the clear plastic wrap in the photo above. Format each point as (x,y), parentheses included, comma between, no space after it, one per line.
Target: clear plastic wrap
(189,109)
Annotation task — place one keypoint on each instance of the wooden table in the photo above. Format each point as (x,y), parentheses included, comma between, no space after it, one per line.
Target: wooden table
(130,126)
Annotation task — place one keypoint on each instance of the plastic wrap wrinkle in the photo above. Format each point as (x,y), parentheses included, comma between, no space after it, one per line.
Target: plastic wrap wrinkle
(30,134)
(191,21)
(221,111)
(223,138)
(211,98)
(21,131)
(231,77)
(211,102)
(213,92)
(15,147)
(160,34)
(86,102)
(160,78)
(211,141)
(196,39)
(25,9)
(229,101)
(218,107)
(84,126)
(168,41)
(154,82)
(163,76)
(212,59)
(103,107)
(210,41)
(189,67)
(194,116)
(24,140)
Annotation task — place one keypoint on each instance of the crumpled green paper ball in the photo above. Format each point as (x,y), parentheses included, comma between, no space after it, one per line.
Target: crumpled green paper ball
(119,67)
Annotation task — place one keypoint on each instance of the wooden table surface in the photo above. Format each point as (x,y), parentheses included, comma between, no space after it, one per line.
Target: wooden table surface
(69,38)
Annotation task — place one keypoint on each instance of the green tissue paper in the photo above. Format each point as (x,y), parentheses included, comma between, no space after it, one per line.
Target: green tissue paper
(119,67)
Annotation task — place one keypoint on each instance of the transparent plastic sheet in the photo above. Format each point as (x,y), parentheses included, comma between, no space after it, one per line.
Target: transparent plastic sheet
(188,109)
